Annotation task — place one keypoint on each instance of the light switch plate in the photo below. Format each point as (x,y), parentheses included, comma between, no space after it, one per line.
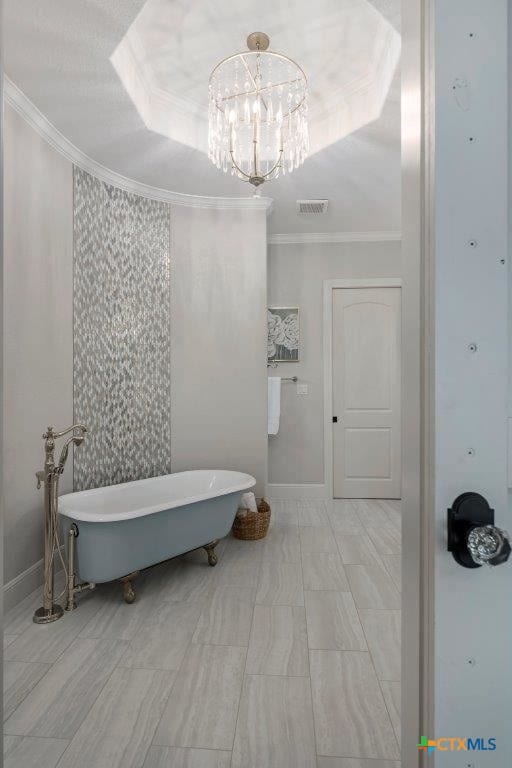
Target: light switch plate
(302,389)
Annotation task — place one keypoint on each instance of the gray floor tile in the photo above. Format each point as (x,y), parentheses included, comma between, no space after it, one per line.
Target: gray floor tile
(370,513)
(278,642)
(19,617)
(382,630)
(162,644)
(393,565)
(313,513)
(27,752)
(202,708)
(115,619)
(8,639)
(387,541)
(339,505)
(19,679)
(282,544)
(343,517)
(237,572)
(226,617)
(355,762)
(275,504)
(284,512)
(184,599)
(351,719)
(357,549)
(178,757)
(392,697)
(275,724)
(60,701)
(180,580)
(324,571)
(319,540)
(119,728)
(280,584)
(392,509)
(46,642)
(245,551)
(372,587)
(333,623)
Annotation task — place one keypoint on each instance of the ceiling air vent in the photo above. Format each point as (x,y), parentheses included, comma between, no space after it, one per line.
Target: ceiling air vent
(315,207)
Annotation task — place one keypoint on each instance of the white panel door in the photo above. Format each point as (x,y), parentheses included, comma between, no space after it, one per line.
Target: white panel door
(366,393)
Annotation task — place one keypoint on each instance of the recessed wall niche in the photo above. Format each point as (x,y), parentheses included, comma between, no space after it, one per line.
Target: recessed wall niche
(122,334)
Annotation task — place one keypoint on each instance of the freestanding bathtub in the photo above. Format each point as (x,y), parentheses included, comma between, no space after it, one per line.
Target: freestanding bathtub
(124,528)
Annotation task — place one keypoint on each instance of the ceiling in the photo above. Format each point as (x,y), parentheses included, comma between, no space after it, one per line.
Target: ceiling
(62,54)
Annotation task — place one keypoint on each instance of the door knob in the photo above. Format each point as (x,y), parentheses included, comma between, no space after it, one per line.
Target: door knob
(473,539)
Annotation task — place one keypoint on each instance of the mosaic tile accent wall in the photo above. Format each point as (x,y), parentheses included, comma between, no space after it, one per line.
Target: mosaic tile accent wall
(122,342)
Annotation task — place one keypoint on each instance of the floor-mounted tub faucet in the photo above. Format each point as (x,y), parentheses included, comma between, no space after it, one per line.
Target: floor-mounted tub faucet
(49,477)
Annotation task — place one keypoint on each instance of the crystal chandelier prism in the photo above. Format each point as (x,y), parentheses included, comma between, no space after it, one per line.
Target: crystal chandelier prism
(258,113)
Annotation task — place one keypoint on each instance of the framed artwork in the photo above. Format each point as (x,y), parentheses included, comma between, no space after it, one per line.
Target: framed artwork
(283,334)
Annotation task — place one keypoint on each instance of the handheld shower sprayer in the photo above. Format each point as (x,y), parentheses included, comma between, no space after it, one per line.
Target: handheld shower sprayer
(76,440)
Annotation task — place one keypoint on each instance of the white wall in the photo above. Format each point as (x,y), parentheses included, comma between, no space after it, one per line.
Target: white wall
(473,628)
(296,275)
(218,331)
(38,329)
(218,309)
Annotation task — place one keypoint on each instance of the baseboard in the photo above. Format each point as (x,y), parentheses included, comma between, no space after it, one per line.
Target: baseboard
(25,583)
(22,585)
(296,491)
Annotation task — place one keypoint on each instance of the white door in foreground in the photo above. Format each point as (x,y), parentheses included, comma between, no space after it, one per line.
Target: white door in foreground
(366,393)
(472,631)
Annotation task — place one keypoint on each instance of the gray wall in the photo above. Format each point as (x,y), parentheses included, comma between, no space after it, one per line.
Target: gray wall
(296,274)
(219,412)
(38,351)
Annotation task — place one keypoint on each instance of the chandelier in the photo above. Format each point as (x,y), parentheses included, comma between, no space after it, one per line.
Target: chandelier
(257,113)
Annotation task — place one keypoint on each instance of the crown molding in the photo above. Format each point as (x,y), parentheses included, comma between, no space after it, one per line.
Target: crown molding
(294,238)
(35,118)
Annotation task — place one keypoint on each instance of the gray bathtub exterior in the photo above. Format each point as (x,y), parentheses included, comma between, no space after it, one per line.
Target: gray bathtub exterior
(109,550)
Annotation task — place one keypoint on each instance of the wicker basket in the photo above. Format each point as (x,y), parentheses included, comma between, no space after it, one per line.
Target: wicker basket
(253,525)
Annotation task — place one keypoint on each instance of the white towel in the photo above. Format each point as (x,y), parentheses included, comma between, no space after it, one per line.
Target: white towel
(248,501)
(274,404)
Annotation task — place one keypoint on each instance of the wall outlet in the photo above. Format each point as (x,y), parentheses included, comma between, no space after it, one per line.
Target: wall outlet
(302,389)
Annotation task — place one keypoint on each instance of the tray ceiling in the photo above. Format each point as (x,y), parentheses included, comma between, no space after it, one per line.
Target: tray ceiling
(348,51)
(62,54)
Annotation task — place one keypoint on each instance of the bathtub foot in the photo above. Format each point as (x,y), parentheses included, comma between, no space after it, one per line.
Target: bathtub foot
(128,590)
(210,551)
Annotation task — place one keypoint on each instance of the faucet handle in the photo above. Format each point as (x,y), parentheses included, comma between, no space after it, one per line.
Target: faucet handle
(40,476)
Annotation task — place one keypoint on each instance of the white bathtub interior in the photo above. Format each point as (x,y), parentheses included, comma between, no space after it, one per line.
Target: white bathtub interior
(142,497)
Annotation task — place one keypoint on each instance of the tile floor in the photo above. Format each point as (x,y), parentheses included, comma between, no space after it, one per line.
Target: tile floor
(285,655)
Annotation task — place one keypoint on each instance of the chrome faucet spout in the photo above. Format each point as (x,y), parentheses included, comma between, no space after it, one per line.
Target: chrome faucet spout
(50,433)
